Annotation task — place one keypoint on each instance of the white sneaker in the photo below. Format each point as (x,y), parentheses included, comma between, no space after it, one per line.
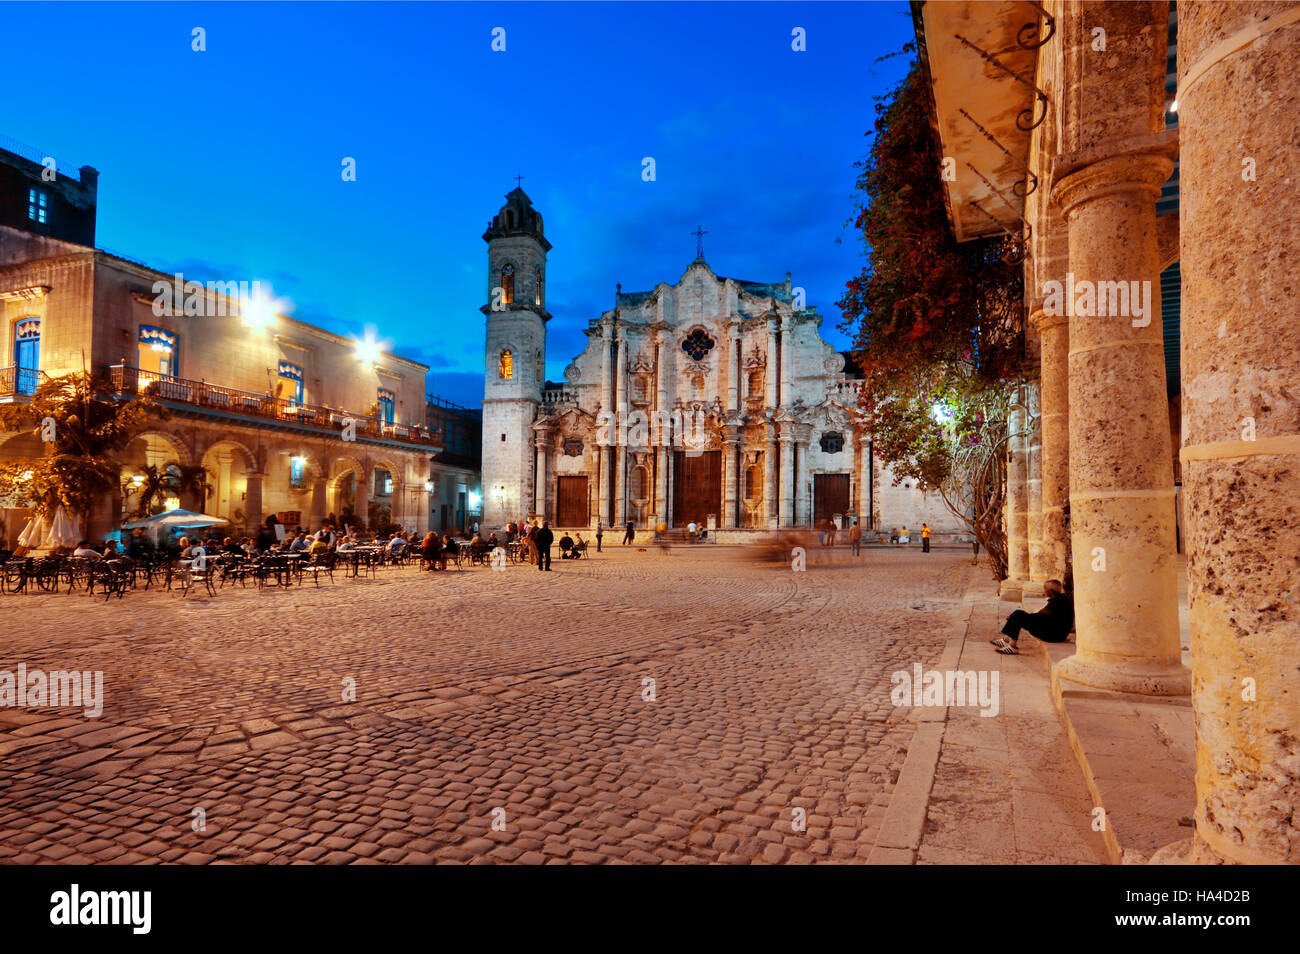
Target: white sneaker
(999,641)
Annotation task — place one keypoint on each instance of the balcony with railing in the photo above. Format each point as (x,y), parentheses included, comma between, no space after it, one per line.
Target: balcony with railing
(17,385)
(226,402)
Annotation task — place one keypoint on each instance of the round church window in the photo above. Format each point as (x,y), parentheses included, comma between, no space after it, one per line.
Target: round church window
(697,344)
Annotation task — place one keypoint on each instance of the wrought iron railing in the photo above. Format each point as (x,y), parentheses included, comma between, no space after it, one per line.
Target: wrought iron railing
(20,381)
(214,397)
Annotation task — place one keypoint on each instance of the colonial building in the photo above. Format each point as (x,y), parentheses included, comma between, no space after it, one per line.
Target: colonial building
(713,400)
(283,416)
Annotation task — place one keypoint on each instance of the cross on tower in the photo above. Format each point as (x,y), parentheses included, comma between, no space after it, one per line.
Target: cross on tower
(699,234)
(519,181)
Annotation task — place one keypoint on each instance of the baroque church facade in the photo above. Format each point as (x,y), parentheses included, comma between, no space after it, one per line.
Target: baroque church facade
(713,401)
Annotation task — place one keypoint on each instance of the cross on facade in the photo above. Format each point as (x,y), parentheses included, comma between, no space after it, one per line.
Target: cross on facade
(699,234)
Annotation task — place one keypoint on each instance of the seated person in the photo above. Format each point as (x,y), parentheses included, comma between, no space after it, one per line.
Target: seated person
(566,545)
(300,543)
(396,545)
(347,543)
(319,545)
(431,550)
(111,552)
(84,549)
(1051,624)
(492,541)
(232,547)
(579,546)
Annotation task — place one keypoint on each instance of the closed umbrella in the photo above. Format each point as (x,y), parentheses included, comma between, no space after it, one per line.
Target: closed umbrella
(65,530)
(33,533)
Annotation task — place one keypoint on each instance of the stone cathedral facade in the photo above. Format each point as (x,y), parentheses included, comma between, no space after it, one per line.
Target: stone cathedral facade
(713,401)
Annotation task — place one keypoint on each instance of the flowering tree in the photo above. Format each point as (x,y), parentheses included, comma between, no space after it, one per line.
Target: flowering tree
(937,324)
(83,431)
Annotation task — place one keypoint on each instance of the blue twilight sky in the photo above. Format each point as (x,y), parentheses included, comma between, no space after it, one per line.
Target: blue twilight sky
(226,164)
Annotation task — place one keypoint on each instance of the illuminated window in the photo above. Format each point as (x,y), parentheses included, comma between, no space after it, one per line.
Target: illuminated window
(537,287)
(387,405)
(291,382)
(506,367)
(297,466)
(508,283)
(38,206)
(158,351)
(383,483)
(27,354)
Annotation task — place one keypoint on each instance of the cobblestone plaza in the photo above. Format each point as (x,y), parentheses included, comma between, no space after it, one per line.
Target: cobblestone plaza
(476,692)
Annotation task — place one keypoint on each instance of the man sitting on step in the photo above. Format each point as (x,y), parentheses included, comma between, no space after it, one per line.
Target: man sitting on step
(1051,624)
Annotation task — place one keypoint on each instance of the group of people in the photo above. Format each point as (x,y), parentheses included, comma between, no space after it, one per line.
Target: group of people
(536,539)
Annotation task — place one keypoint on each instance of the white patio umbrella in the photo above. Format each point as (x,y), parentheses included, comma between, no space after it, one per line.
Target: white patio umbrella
(174,520)
(33,533)
(65,530)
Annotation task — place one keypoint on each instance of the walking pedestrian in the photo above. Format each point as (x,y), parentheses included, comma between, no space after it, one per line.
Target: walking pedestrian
(831,530)
(630,536)
(855,539)
(600,533)
(925,538)
(543,539)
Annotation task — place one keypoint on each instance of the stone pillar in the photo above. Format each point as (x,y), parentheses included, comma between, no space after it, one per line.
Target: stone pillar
(620,485)
(602,482)
(1054,426)
(771,488)
(319,502)
(770,375)
(540,489)
(787,478)
(1239,98)
(1017,506)
(802,517)
(864,481)
(787,326)
(1121,472)
(606,377)
(1034,483)
(253,502)
(733,365)
(729,448)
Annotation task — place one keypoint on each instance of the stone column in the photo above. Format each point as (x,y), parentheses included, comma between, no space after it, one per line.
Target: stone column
(1054,426)
(787,327)
(864,481)
(1017,504)
(771,486)
(730,444)
(1121,473)
(770,370)
(602,482)
(1239,99)
(606,378)
(543,483)
(802,511)
(319,502)
(787,477)
(733,365)
(620,485)
(253,502)
(1034,484)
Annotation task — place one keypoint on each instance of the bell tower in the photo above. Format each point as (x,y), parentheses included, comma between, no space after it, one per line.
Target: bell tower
(515,351)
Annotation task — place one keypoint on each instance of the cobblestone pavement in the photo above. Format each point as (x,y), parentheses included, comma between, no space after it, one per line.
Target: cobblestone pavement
(483,700)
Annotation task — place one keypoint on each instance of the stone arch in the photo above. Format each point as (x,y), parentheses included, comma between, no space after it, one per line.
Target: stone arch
(250,460)
(343,466)
(228,478)
(176,442)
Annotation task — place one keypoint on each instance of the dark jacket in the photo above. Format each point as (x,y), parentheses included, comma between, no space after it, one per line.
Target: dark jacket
(1059,612)
(543,537)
